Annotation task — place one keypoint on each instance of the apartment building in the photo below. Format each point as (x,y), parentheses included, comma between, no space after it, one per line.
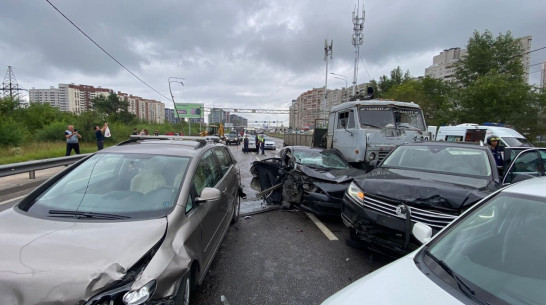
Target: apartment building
(443,64)
(77,99)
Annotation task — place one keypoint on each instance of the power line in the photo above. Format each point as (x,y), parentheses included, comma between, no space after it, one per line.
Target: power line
(106,52)
(529,52)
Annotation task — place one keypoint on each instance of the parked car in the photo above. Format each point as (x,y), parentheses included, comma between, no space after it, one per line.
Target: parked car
(433,183)
(269,143)
(232,138)
(493,254)
(133,223)
(312,179)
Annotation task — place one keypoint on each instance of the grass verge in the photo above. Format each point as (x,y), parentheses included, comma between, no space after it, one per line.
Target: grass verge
(39,151)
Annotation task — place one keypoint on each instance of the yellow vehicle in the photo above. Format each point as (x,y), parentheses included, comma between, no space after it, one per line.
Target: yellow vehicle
(213,130)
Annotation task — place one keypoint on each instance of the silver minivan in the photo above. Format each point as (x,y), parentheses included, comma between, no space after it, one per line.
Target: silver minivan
(134,223)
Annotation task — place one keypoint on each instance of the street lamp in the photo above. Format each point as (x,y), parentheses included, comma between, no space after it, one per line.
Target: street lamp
(174,79)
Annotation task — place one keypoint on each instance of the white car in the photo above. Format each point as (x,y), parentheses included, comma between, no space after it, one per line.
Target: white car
(269,143)
(492,254)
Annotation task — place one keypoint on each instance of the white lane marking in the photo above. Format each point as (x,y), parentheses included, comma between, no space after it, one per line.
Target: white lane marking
(322,227)
(10,200)
(256,156)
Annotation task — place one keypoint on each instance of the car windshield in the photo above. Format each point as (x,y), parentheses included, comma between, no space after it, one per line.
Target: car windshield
(135,186)
(382,116)
(499,249)
(516,142)
(441,159)
(318,158)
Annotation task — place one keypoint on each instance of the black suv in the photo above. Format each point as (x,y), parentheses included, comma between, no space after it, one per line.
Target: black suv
(232,138)
(432,183)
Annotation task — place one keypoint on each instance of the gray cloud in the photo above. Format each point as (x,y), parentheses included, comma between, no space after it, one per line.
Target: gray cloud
(247,53)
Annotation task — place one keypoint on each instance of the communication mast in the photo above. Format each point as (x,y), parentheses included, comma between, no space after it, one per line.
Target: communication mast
(328,50)
(358,39)
(10,87)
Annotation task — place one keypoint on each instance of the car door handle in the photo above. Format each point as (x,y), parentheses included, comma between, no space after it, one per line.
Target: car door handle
(335,140)
(225,190)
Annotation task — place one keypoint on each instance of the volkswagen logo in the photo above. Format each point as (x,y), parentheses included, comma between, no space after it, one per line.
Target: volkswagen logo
(401,211)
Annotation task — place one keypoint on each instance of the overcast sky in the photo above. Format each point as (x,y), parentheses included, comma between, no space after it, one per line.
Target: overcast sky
(247,53)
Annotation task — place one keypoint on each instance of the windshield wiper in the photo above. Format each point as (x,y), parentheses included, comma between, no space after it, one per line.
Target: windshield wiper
(82,214)
(460,283)
(370,125)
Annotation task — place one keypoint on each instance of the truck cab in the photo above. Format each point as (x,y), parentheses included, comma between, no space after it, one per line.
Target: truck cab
(366,131)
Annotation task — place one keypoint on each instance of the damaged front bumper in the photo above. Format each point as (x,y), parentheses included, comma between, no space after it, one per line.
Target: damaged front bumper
(380,232)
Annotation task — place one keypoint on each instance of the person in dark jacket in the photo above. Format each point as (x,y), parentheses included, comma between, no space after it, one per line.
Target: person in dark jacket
(493,142)
(245,144)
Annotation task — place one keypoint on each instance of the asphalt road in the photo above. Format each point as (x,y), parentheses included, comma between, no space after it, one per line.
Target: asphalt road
(275,257)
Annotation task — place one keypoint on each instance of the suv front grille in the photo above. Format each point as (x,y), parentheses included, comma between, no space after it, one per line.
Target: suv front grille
(435,220)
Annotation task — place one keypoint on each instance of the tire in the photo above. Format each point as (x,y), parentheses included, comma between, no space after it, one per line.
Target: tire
(184,291)
(236,211)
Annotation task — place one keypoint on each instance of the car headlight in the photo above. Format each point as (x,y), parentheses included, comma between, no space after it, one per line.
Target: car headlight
(371,157)
(141,295)
(355,193)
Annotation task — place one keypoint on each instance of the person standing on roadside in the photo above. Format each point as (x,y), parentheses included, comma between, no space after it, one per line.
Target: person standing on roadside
(99,134)
(245,144)
(72,137)
(493,142)
(135,132)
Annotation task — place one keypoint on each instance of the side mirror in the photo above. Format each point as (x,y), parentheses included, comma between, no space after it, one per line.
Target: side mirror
(374,163)
(208,194)
(422,232)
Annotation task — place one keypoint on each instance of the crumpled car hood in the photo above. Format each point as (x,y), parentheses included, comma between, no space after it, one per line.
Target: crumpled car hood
(426,190)
(331,175)
(45,261)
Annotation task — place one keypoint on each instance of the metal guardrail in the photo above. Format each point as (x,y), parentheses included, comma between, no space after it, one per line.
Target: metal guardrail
(32,166)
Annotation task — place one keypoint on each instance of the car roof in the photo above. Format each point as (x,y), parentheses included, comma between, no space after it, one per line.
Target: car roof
(532,187)
(449,144)
(161,146)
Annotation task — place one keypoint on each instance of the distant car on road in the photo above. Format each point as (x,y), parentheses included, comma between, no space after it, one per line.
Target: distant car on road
(313,179)
(432,183)
(493,254)
(135,223)
(269,143)
(232,138)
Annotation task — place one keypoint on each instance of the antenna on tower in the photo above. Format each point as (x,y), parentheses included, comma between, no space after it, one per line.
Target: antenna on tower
(10,87)
(358,39)
(328,51)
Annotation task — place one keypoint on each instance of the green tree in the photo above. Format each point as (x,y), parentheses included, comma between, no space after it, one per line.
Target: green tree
(487,55)
(112,108)
(397,77)
(433,96)
(493,84)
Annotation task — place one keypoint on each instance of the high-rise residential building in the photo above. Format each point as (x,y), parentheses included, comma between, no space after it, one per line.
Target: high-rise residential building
(543,75)
(443,64)
(237,120)
(77,99)
(305,111)
(218,115)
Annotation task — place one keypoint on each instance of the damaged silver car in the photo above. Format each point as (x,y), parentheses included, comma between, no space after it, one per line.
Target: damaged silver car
(312,179)
(137,223)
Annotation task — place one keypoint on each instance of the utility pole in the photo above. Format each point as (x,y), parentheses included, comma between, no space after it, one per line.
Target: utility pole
(10,87)
(328,50)
(358,39)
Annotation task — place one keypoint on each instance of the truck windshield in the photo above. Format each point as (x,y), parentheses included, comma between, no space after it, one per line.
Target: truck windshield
(381,116)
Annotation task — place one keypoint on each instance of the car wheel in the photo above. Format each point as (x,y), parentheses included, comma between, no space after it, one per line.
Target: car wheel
(237,210)
(184,289)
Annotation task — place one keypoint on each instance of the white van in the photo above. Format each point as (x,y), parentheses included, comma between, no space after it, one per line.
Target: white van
(475,133)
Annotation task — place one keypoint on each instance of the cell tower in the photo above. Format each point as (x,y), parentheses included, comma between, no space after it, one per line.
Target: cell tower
(10,87)
(328,51)
(358,39)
